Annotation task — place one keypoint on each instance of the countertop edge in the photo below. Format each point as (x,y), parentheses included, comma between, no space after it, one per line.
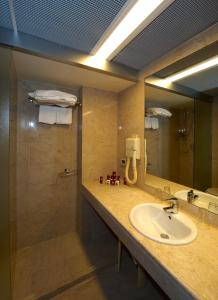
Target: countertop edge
(169,284)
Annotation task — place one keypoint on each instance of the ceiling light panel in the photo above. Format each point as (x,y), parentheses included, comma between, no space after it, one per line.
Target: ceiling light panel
(132,22)
(182,20)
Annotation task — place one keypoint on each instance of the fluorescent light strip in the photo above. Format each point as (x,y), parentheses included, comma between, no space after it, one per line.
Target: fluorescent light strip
(140,11)
(212,62)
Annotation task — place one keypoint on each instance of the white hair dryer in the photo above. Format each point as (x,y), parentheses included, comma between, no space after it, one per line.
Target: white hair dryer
(132,154)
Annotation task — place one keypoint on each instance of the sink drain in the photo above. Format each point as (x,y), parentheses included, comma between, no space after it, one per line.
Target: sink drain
(164,236)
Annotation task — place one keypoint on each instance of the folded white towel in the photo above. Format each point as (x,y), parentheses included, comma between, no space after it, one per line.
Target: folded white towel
(59,102)
(64,115)
(47,114)
(53,97)
(148,122)
(154,123)
(48,94)
(159,111)
(55,115)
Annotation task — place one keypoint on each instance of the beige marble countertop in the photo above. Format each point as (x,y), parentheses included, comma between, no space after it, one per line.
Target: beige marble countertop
(193,268)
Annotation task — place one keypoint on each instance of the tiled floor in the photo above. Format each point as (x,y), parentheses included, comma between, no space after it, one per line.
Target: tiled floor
(66,268)
(47,266)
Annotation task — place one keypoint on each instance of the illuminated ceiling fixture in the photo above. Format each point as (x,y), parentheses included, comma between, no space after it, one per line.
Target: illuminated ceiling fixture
(212,62)
(135,17)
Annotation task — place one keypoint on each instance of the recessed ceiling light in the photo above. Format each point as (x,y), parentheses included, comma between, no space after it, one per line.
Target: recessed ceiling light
(131,22)
(212,62)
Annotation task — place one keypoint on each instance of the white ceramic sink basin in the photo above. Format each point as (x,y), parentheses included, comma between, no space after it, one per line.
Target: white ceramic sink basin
(203,200)
(153,222)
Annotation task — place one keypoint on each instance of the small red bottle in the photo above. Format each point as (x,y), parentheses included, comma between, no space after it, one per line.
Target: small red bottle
(101,179)
(112,182)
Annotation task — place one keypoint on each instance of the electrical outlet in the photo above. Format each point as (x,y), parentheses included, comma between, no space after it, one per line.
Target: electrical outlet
(123,162)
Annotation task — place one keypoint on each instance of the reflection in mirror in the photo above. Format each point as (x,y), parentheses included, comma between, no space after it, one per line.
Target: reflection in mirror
(181,134)
(169,131)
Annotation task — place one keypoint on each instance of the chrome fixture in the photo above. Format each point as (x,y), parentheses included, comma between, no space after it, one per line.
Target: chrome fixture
(68,172)
(191,196)
(182,131)
(173,208)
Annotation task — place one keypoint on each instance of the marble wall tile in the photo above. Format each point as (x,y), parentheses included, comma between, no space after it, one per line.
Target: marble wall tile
(99,146)
(46,202)
(131,122)
(12,178)
(99,133)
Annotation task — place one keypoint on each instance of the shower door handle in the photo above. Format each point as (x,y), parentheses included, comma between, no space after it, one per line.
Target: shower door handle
(68,172)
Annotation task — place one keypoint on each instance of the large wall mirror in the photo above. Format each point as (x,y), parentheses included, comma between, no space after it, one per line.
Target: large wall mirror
(181,130)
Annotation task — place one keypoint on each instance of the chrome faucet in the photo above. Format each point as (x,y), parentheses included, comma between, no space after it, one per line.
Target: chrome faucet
(173,208)
(191,196)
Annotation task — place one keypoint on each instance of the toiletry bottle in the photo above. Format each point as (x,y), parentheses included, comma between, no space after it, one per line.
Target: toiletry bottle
(117,181)
(108,181)
(101,179)
(112,182)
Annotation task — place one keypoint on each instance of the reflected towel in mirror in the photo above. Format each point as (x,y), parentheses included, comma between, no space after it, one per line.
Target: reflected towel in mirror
(148,121)
(154,123)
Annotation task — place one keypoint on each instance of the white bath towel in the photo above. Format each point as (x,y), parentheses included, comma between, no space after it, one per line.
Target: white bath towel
(64,115)
(47,114)
(159,111)
(148,122)
(50,97)
(154,123)
(55,115)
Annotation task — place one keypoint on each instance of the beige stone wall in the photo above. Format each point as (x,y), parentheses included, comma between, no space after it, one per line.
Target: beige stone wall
(12,180)
(98,130)
(131,122)
(46,202)
(215,143)
(107,119)
(99,133)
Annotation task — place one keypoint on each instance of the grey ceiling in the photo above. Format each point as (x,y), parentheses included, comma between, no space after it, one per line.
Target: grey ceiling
(5,19)
(79,24)
(179,22)
(75,23)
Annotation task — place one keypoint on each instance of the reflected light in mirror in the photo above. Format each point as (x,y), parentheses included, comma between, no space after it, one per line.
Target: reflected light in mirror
(212,62)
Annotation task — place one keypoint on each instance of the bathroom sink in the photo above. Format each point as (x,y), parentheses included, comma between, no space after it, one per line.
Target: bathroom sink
(203,200)
(153,222)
